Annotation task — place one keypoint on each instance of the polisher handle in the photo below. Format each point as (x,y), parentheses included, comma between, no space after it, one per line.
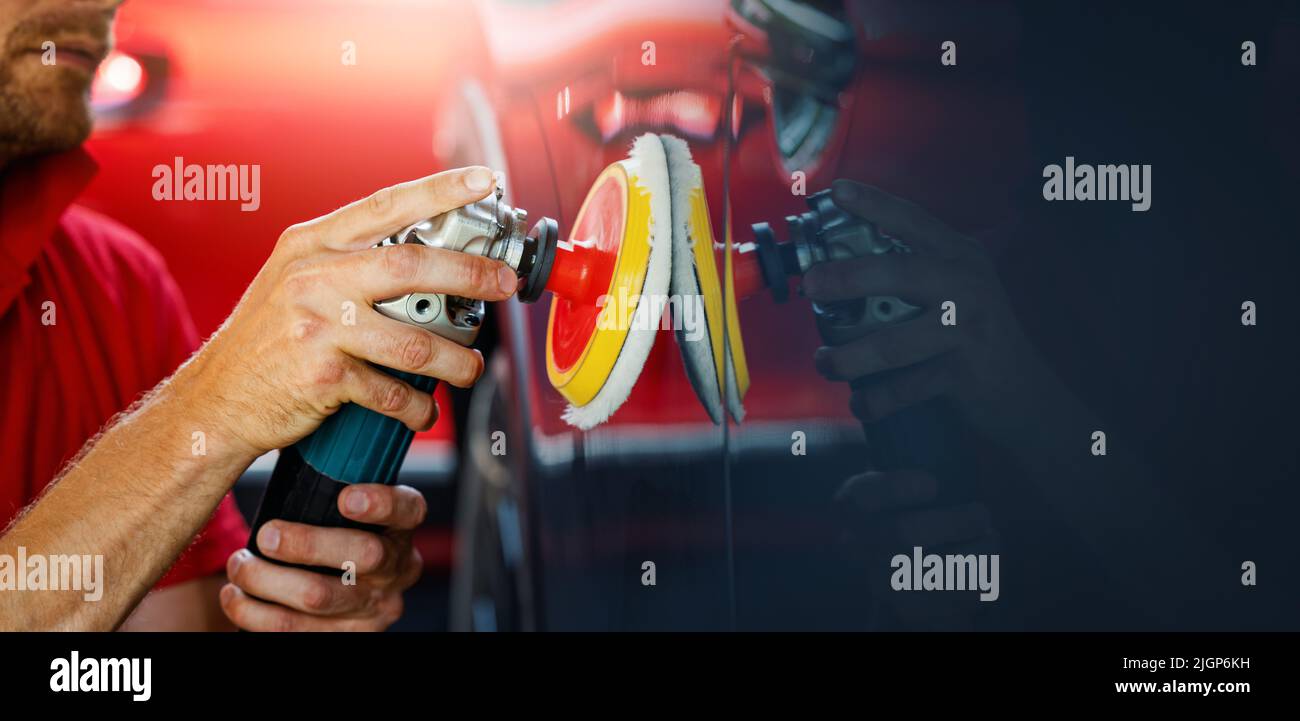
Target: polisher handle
(355,445)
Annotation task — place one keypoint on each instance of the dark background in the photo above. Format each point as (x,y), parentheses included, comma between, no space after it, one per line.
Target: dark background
(1140,312)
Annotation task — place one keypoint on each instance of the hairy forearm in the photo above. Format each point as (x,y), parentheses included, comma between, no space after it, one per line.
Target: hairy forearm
(136,495)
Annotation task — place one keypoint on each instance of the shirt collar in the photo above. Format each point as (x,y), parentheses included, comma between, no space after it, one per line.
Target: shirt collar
(34,193)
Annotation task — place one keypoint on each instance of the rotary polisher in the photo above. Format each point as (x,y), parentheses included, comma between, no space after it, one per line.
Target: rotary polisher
(595,350)
(916,437)
(716,359)
(357,445)
(716,362)
(824,233)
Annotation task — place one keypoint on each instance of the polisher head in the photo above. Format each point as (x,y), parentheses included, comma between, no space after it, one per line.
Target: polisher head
(610,282)
(715,358)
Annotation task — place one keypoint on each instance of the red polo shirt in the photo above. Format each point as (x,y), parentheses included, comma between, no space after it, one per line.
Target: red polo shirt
(89,320)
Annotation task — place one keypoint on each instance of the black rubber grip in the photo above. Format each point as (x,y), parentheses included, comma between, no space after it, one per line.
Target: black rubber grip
(297,492)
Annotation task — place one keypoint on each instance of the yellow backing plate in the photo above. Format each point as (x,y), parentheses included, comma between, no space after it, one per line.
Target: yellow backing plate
(580,382)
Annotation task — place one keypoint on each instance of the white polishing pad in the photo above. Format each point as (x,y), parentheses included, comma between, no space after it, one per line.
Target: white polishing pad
(648,167)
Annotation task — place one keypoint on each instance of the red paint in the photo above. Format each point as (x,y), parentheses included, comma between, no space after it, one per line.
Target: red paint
(745,269)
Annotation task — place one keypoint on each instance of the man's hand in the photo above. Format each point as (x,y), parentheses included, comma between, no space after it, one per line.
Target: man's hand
(263,596)
(297,345)
(979,361)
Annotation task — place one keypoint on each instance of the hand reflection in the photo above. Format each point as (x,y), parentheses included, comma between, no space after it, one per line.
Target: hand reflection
(1153,553)
(980,358)
(891,513)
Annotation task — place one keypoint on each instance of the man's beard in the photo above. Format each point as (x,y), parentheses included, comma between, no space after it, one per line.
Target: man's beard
(30,125)
(51,112)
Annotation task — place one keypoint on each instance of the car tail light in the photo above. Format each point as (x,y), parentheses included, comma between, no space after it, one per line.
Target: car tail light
(121,79)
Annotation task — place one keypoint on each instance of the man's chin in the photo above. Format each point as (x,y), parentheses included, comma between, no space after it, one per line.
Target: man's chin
(59,121)
(60,134)
(71,128)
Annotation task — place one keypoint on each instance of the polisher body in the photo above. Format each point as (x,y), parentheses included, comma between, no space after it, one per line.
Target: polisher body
(827,233)
(357,445)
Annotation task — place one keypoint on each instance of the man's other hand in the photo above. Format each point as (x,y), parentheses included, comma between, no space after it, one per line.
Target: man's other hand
(263,596)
